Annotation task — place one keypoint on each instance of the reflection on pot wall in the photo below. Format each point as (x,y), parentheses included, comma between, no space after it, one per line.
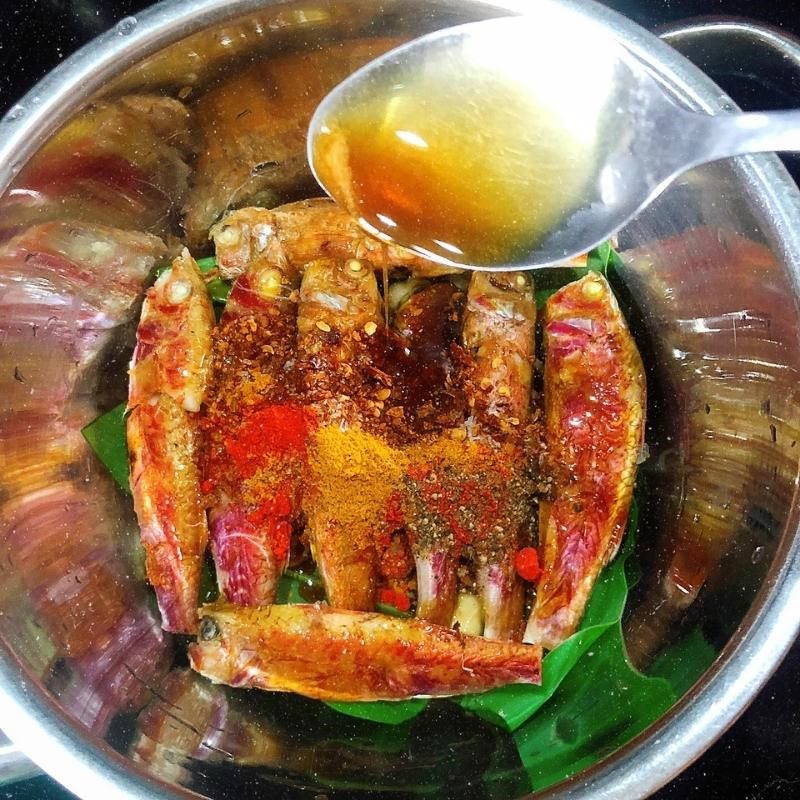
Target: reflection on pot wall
(192,732)
(727,337)
(120,164)
(71,596)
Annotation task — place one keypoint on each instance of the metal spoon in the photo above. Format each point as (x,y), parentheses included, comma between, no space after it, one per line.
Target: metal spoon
(515,142)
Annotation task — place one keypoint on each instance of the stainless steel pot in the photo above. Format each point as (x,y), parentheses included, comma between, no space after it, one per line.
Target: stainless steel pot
(714,271)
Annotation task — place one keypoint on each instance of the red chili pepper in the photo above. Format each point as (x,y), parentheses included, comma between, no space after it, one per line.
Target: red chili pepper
(207,486)
(394,597)
(526,562)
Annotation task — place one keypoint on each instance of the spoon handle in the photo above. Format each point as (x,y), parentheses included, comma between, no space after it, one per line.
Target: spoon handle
(755,132)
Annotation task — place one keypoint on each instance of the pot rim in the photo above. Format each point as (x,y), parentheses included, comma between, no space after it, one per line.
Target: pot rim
(659,753)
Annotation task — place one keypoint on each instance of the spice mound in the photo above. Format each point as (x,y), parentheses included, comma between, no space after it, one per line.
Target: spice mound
(378,435)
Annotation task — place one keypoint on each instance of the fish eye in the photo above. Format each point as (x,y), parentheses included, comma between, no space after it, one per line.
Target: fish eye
(208,629)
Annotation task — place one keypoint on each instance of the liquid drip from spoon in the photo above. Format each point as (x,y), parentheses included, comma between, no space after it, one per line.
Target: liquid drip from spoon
(462,156)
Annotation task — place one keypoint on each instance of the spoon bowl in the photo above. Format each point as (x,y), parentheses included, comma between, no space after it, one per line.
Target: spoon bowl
(515,142)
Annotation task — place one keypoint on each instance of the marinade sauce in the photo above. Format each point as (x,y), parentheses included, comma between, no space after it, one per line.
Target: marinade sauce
(470,169)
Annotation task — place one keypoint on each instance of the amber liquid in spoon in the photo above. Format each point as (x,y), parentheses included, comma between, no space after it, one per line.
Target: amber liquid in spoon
(471,169)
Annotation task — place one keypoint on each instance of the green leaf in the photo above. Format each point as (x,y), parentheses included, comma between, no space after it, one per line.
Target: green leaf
(581,726)
(289,587)
(392,611)
(510,706)
(384,711)
(106,437)
(207,264)
(603,258)
(209,589)
(598,259)
(218,289)
(684,662)
(310,578)
(601,704)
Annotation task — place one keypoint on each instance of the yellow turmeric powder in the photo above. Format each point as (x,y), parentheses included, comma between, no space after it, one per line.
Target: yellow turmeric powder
(352,475)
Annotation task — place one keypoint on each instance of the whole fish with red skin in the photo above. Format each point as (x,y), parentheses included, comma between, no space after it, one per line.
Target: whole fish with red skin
(173,339)
(429,322)
(339,302)
(167,385)
(499,331)
(251,527)
(332,654)
(594,397)
(295,234)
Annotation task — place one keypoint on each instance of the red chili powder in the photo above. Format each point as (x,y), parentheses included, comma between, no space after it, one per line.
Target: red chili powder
(273,516)
(394,516)
(280,540)
(272,430)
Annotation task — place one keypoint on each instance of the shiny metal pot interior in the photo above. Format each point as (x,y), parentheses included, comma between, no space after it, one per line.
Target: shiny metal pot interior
(713,268)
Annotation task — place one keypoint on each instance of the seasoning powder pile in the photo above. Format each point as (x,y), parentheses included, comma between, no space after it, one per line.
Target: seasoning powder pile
(353,474)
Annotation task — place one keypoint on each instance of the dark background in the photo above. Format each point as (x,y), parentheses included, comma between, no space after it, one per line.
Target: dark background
(759,758)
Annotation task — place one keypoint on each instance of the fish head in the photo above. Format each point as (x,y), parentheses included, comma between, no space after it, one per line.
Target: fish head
(338,293)
(212,652)
(175,287)
(496,300)
(590,295)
